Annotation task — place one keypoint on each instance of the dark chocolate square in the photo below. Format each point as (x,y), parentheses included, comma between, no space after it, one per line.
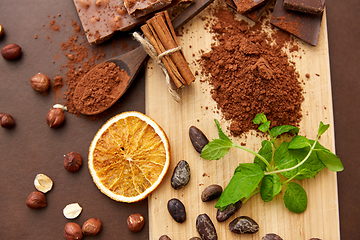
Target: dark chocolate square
(302,25)
(306,6)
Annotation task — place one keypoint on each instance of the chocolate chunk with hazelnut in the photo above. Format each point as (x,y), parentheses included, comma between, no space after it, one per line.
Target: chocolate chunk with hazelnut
(72,161)
(11,51)
(40,82)
(55,117)
(6,120)
(72,231)
(91,227)
(36,200)
(135,222)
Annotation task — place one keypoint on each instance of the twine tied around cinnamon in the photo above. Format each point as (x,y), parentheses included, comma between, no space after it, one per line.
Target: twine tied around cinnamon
(149,48)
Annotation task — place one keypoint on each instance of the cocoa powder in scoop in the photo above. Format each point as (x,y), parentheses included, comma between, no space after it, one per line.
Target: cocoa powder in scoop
(249,75)
(103,85)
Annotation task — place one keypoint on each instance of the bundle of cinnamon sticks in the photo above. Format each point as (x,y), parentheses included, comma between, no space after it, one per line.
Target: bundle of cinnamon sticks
(160,33)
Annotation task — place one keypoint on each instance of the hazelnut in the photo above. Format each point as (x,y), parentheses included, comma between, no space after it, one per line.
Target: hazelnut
(1,30)
(91,227)
(7,121)
(40,82)
(36,200)
(72,231)
(72,161)
(55,117)
(135,222)
(11,51)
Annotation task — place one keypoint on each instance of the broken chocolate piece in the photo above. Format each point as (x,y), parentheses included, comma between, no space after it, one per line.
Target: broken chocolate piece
(254,14)
(302,25)
(243,6)
(141,8)
(100,19)
(305,6)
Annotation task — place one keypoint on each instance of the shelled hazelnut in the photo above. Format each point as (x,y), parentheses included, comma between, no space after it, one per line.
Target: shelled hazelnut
(6,120)
(1,30)
(72,231)
(36,200)
(72,161)
(40,82)
(135,222)
(56,116)
(11,51)
(91,227)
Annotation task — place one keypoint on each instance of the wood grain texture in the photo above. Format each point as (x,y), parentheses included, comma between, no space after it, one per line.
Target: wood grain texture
(321,219)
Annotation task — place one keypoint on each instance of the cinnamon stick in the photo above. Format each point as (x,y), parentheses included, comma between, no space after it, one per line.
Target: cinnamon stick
(161,35)
(169,65)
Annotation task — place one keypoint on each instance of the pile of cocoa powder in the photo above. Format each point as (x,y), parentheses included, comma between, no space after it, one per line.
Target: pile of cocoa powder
(250,75)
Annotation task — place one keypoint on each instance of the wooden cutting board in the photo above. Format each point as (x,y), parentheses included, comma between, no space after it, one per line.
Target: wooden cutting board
(320,220)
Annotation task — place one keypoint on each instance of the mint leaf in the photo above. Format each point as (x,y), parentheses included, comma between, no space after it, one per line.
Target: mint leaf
(222,135)
(278,130)
(216,149)
(260,118)
(330,160)
(286,158)
(283,159)
(270,187)
(246,179)
(304,173)
(266,151)
(265,126)
(322,128)
(295,198)
(299,142)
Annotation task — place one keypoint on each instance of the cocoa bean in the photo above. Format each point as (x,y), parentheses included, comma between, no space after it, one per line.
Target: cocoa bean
(205,227)
(243,224)
(211,192)
(181,175)
(198,138)
(177,210)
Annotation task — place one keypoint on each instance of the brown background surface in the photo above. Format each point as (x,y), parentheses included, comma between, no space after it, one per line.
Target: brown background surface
(32,147)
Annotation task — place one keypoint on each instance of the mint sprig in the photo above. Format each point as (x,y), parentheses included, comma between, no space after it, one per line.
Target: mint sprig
(298,159)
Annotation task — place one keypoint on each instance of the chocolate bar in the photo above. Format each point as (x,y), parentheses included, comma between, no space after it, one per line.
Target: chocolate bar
(140,8)
(302,25)
(100,19)
(306,6)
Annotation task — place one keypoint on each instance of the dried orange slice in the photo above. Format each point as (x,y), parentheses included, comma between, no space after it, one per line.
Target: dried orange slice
(129,157)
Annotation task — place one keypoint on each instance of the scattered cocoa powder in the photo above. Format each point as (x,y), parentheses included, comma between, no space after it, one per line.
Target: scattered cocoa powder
(57,85)
(249,75)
